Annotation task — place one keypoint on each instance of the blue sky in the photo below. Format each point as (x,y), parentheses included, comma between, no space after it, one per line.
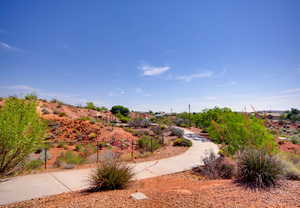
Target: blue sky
(153,55)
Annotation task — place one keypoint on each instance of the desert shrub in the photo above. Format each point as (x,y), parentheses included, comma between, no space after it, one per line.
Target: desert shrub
(33,165)
(31,96)
(90,105)
(69,158)
(295,139)
(120,109)
(139,123)
(258,169)
(61,144)
(176,132)
(21,133)
(92,135)
(290,171)
(291,164)
(182,142)
(218,167)
(62,114)
(84,118)
(140,133)
(163,120)
(148,143)
(79,148)
(158,130)
(110,175)
(122,118)
(239,131)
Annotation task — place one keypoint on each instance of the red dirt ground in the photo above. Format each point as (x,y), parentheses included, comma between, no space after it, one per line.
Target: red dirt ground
(178,190)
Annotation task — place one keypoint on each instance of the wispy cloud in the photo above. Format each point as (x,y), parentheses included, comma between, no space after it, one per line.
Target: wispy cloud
(289,91)
(149,70)
(8,47)
(190,77)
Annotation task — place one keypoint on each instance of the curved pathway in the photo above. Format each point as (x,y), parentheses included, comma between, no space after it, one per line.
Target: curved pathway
(39,185)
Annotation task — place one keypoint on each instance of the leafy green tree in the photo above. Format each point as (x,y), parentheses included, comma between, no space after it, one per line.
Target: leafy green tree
(238,131)
(120,109)
(90,105)
(31,96)
(21,133)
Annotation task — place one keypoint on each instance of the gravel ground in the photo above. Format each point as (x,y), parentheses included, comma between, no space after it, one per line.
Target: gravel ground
(178,190)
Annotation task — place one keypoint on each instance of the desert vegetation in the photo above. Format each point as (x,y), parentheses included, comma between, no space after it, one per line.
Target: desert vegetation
(21,133)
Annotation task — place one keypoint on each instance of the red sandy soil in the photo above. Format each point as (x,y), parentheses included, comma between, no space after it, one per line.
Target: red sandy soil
(178,190)
(287,146)
(73,112)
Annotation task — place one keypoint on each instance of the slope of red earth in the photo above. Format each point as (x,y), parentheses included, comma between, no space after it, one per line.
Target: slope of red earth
(178,190)
(287,146)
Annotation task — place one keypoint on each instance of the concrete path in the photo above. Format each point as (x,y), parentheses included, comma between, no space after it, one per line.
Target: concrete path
(39,185)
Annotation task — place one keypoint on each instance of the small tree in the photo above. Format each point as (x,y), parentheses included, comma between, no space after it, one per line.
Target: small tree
(21,132)
(90,105)
(120,109)
(31,96)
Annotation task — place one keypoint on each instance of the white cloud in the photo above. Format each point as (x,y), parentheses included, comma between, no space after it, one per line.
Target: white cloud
(8,47)
(188,78)
(149,70)
(288,91)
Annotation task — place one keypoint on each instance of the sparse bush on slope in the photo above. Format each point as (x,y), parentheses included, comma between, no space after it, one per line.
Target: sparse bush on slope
(218,167)
(182,142)
(110,175)
(258,169)
(21,133)
(176,132)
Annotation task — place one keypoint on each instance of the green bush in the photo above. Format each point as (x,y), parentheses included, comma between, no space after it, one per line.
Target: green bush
(33,165)
(92,135)
(239,131)
(31,96)
(295,139)
(291,164)
(148,143)
(61,145)
(21,133)
(70,158)
(90,105)
(110,175)
(220,167)
(258,169)
(176,132)
(182,142)
(122,118)
(139,123)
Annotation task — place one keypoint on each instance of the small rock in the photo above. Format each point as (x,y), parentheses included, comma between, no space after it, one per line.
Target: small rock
(138,196)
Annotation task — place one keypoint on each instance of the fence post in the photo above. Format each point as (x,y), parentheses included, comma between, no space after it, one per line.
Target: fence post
(151,144)
(45,150)
(97,151)
(132,148)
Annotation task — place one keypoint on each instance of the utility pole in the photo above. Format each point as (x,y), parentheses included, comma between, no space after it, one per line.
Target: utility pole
(190,115)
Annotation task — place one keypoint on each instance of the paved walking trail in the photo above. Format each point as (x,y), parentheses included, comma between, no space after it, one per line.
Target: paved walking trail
(38,185)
